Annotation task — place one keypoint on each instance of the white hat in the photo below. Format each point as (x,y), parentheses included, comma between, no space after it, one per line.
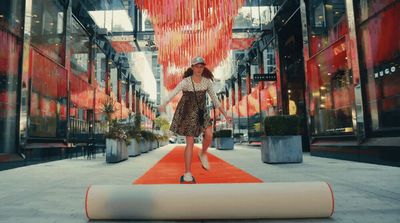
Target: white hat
(198,60)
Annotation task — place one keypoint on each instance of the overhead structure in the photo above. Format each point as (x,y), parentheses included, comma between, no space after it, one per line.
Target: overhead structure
(185,29)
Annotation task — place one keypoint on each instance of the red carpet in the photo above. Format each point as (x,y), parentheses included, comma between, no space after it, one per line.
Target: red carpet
(169,169)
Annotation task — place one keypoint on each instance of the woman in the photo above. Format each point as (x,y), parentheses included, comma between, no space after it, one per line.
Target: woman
(197,80)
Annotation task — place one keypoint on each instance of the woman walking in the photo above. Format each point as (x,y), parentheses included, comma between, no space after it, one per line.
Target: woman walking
(191,118)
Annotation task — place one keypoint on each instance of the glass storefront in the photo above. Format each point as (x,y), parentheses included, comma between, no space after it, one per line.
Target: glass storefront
(379,33)
(331,91)
(47,28)
(329,73)
(11,19)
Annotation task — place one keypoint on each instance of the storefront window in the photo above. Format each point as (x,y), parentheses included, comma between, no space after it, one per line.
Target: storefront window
(79,50)
(48,105)
(380,64)
(327,23)
(47,28)
(331,91)
(10,52)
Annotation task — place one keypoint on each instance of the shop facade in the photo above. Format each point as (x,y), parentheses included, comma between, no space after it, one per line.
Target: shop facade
(57,71)
(337,67)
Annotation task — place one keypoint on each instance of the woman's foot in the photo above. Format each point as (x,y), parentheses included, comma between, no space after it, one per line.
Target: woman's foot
(187,178)
(204,161)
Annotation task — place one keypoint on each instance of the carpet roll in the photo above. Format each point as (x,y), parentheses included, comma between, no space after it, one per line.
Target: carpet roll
(210,201)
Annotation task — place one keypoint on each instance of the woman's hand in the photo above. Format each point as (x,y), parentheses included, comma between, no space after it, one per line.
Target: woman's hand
(161,108)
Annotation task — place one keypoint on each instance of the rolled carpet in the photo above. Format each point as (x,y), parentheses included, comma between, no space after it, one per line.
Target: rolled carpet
(210,201)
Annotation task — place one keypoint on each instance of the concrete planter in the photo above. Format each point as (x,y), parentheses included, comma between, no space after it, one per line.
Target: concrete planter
(153,144)
(225,143)
(164,143)
(281,149)
(144,146)
(214,142)
(134,148)
(116,151)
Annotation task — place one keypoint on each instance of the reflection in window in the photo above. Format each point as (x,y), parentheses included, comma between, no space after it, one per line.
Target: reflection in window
(114,79)
(370,7)
(380,56)
(146,22)
(47,28)
(48,105)
(10,52)
(124,85)
(269,59)
(327,23)
(331,91)
(79,49)
(100,67)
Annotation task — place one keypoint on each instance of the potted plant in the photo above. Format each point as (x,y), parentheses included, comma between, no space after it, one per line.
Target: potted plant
(116,143)
(109,109)
(224,140)
(162,125)
(148,139)
(282,140)
(135,139)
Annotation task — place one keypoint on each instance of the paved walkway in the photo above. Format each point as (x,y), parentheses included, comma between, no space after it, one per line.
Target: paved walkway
(55,191)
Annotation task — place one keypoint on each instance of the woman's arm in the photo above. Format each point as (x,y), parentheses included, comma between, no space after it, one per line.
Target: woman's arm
(171,95)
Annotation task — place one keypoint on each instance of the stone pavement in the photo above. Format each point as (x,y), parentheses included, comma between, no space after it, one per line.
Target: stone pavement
(55,191)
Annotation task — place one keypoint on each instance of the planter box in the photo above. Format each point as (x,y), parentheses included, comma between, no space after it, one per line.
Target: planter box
(144,146)
(282,149)
(214,142)
(153,145)
(164,143)
(116,151)
(134,148)
(225,143)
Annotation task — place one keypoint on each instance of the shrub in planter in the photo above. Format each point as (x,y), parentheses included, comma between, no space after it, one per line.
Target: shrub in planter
(135,139)
(224,140)
(254,136)
(116,143)
(162,139)
(282,125)
(148,139)
(282,141)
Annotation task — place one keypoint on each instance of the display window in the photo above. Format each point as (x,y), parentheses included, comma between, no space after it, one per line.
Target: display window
(331,91)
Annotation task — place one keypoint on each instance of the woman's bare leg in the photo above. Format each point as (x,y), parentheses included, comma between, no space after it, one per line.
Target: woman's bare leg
(188,153)
(207,137)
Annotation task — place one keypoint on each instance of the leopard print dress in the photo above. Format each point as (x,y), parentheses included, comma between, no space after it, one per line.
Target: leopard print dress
(185,121)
